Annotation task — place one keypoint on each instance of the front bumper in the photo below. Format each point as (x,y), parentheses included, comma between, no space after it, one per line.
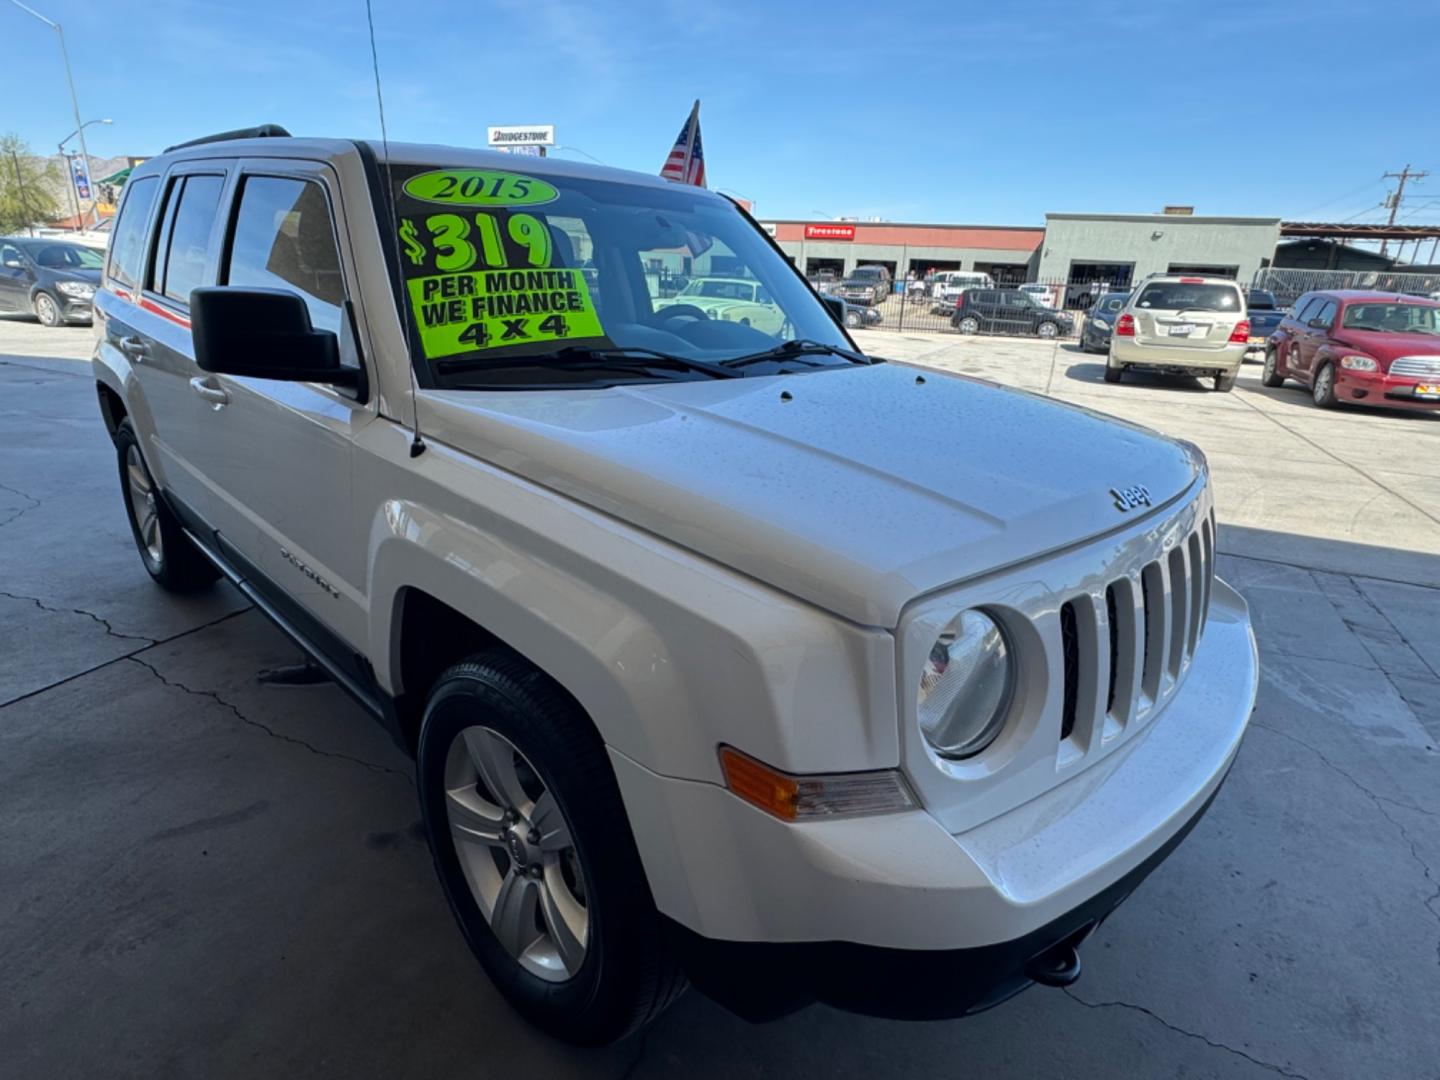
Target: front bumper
(902,892)
(1225,360)
(1377,388)
(73,309)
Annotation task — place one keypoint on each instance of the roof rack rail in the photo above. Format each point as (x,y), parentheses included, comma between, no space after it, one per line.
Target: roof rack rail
(263,131)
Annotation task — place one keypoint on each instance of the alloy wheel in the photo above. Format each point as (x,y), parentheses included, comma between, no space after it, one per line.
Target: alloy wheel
(141,492)
(516,851)
(46,311)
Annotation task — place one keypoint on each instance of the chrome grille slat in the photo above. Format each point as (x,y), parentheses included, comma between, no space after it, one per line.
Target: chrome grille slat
(1125,647)
(1415,365)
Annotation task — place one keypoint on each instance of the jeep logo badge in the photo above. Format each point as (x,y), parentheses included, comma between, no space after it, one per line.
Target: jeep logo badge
(1127,499)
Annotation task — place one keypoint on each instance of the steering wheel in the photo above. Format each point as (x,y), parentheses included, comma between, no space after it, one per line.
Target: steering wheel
(675,311)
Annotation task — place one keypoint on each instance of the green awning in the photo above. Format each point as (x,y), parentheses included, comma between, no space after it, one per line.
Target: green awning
(118,179)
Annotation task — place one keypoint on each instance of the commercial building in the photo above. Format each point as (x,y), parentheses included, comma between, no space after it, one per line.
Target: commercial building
(1123,248)
(1006,252)
(1077,249)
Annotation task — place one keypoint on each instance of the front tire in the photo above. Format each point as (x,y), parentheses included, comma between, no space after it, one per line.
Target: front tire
(534,852)
(169,556)
(47,310)
(1047,330)
(1271,376)
(1323,390)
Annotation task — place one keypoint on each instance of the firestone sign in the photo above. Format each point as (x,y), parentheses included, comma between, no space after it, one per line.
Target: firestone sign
(829,232)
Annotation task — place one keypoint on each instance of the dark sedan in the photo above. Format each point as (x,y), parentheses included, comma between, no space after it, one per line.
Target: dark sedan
(53,279)
(1100,320)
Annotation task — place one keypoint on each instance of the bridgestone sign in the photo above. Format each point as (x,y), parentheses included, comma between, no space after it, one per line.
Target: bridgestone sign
(522,135)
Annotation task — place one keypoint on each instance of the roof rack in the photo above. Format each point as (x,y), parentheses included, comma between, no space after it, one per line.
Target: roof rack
(263,131)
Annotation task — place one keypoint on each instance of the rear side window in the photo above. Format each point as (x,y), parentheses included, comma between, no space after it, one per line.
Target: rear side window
(127,246)
(1178,296)
(180,265)
(285,239)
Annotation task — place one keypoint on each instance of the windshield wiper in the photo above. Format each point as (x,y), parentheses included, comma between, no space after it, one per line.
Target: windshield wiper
(789,350)
(573,357)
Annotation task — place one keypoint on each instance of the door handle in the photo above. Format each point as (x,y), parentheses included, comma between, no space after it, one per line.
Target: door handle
(134,347)
(209,391)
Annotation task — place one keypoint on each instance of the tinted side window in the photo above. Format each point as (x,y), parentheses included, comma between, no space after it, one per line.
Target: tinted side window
(1303,306)
(127,245)
(188,245)
(1326,312)
(285,239)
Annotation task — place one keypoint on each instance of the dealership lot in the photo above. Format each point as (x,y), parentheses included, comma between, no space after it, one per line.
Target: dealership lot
(205,874)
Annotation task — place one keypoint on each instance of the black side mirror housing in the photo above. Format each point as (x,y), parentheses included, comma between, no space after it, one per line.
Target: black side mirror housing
(263,334)
(836,306)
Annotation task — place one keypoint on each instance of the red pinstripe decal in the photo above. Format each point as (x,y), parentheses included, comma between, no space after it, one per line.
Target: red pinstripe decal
(164,313)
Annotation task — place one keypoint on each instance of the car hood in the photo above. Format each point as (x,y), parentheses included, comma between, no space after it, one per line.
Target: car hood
(91,277)
(1386,345)
(859,490)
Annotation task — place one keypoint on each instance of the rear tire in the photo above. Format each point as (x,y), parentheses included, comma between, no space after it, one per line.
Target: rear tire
(968,325)
(613,975)
(1225,383)
(1271,376)
(1323,390)
(1113,373)
(170,558)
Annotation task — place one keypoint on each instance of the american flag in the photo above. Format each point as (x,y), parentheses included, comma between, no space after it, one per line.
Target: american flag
(686,163)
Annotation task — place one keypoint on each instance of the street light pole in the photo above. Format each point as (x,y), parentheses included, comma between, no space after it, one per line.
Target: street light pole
(74,183)
(74,101)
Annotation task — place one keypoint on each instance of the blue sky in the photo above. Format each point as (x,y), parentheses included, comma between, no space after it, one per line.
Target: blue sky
(985,113)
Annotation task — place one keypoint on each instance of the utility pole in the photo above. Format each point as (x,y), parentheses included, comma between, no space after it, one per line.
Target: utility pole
(1393,201)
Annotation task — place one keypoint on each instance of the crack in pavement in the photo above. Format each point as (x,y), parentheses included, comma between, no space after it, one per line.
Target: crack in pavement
(1280,1069)
(260,726)
(1432,902)
(115,660)
(18,514)
(79,611)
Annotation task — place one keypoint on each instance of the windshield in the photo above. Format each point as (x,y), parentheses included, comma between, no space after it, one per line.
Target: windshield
(865,271)
(1181,296)
(65,256)
(503,270)
(1395,318)
(1110,304)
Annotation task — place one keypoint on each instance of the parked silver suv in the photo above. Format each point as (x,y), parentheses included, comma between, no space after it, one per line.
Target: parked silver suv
(1183,325)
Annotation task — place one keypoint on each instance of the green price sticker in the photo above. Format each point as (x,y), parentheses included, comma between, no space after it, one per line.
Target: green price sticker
(479,187)
(487,309)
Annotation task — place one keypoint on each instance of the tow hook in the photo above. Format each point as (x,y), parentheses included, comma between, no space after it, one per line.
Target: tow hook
(1059,965)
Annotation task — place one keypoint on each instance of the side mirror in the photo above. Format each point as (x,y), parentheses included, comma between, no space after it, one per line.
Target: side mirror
(836,306)
(13,263)
(265,334)
(1318,324)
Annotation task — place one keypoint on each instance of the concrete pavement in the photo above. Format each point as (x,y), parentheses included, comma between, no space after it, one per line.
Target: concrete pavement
(204,875)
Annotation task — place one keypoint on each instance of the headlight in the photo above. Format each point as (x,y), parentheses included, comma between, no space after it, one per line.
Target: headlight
(81,290)
(966,686)
(1359,363)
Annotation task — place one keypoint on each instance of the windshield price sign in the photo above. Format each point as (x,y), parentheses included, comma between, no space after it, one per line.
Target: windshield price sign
(481,270)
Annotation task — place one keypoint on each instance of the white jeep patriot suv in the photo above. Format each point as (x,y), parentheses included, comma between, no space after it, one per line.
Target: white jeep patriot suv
(723,654)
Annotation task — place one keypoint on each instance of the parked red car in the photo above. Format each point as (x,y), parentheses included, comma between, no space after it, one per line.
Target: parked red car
(1348,346)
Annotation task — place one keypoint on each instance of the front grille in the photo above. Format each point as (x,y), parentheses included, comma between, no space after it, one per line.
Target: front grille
(1139,643)
(1415,365)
